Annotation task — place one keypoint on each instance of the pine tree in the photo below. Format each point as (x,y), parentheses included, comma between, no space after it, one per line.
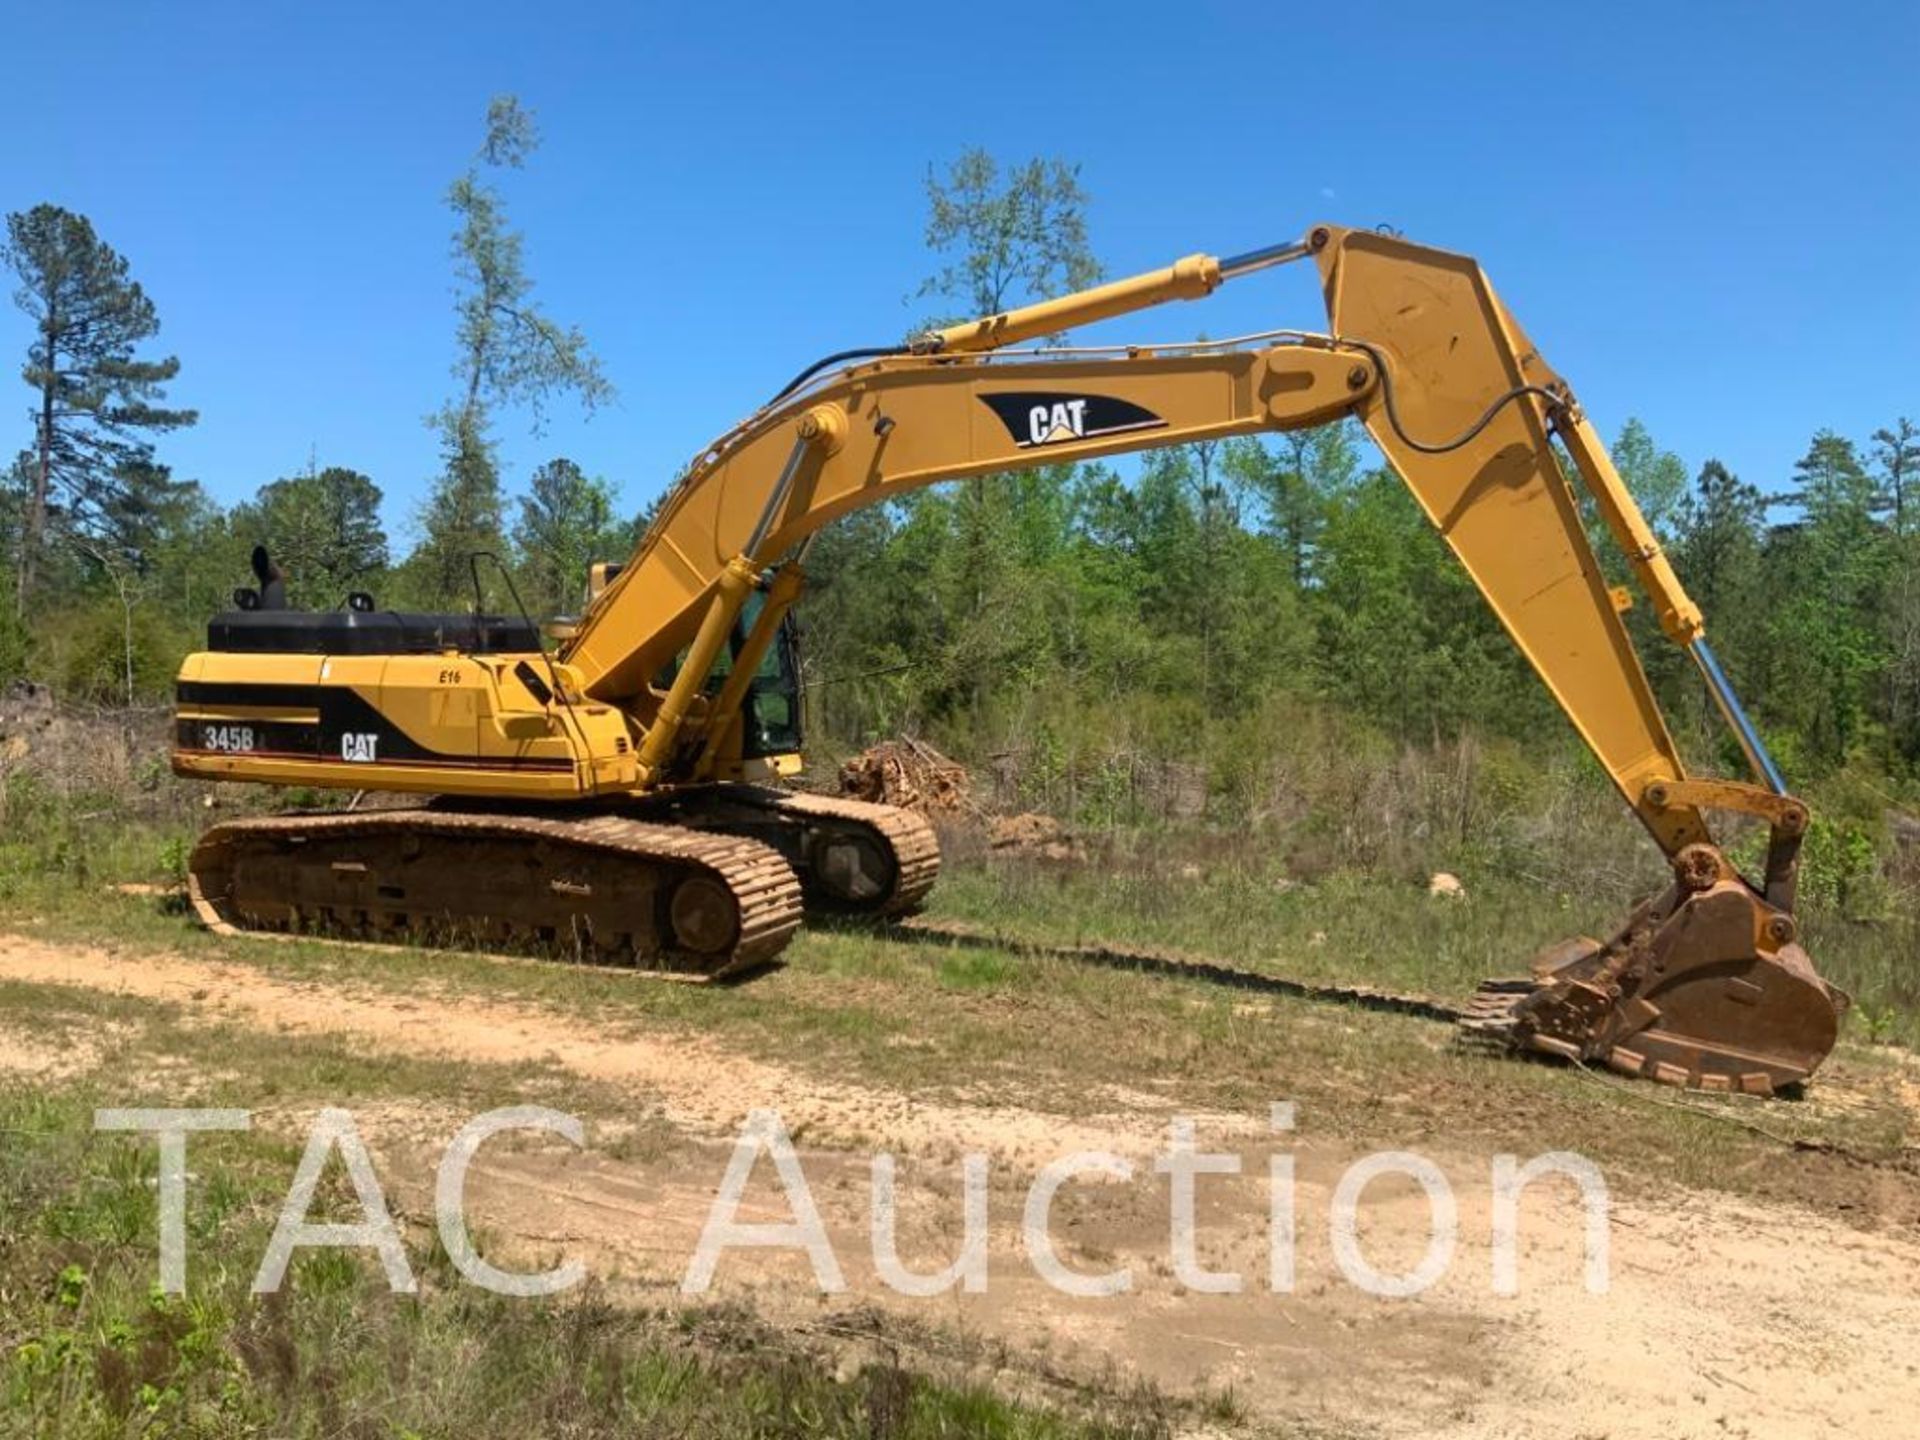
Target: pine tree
(1896,450)
(1896,455)
(1717,550)
(94,400)
(1296,479)
(1830,568)
(564,525)
(460,520)
(510,353)
(1831,485)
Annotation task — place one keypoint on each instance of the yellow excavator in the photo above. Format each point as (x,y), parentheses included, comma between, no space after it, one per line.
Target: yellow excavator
(618,796)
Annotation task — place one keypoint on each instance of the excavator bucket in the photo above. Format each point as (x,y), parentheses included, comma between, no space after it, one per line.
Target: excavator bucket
(1703,987)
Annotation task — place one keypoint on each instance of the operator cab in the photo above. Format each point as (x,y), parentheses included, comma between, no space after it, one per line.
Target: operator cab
(770,713)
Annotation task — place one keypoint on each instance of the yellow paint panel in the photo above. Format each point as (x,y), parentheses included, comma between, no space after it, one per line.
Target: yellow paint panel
(1500,499)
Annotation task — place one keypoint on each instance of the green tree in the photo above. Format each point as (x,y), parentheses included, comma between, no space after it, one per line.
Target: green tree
(1901,681)
(1296,479)
(1830,485)
(94,400)
(461,518)
(1656,478)
(1189,511)
(1008,231)
(566,523)
(1717,551)
(861,617)
(142,506)
(1830,566)
(1720,526)
(1896,457)
(195,559)
(1896,451)
(509,353)
(1405,637)
(1657,481)
(1219,601)
(16,483)
(323,528)
(1008,235)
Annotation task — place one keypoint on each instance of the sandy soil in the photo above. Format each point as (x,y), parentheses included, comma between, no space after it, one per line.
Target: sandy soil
(1722,1318)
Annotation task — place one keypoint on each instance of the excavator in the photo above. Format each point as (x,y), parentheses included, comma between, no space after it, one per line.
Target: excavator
(617,796)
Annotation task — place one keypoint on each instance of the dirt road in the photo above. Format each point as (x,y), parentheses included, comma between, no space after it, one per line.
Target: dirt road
(1721,1318)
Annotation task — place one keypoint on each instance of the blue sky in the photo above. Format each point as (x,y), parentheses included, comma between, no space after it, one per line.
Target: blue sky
(1705,214)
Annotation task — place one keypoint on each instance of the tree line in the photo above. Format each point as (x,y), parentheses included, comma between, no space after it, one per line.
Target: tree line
(1169,610)
(115,562)
(1154,607)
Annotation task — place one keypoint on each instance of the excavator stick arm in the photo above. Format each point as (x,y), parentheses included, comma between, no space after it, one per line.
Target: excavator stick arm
(1705,986)
(1488,479)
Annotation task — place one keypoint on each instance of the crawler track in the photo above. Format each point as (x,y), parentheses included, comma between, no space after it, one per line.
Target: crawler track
(914,847)
(854,858)
(606,888)
(712,886)
(713,882)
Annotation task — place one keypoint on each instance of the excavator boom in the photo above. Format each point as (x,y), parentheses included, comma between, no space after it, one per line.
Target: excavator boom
(650,700)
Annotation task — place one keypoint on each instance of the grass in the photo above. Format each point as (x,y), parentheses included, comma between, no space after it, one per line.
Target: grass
(91,1348)
(1192,892)
(945,1021)
(1347,928)
(87,1347)
(925,1017)
(1336,894)
(1388,931)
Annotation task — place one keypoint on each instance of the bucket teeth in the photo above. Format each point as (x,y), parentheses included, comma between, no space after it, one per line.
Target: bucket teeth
(1488,1025)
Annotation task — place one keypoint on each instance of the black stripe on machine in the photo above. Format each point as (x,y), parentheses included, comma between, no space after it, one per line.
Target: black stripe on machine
(349,730)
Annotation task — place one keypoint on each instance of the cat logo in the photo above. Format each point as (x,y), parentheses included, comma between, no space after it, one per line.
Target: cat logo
(1062,420)
(1038,418)
(360,749)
